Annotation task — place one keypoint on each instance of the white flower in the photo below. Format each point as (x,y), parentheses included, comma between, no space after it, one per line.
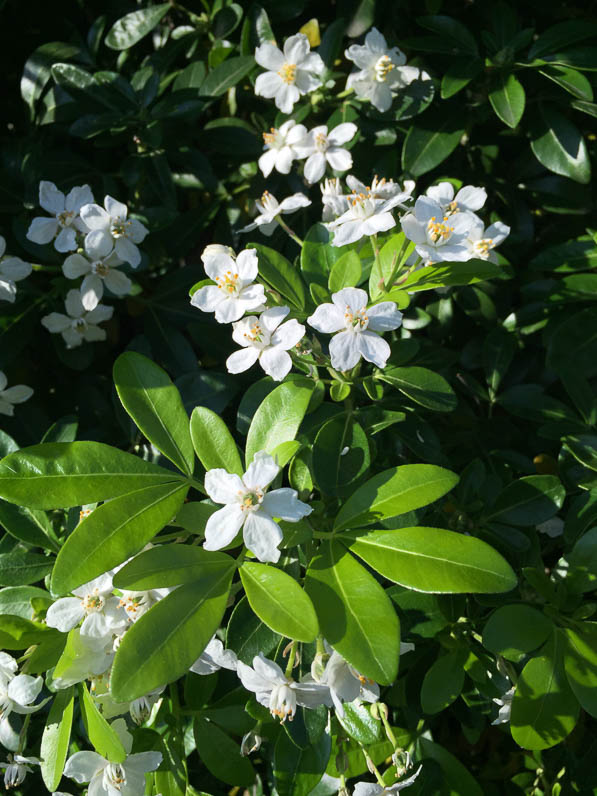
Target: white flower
(12,269)
(366,215)
(86,660)
(215,657)
(468,199)
(553,527)
(381,70)
(381,188)
(98,272)
(17,694)
(250,743)
(373,789)
(14,395)
(94,605)
(356,326)
(8,665)
(264,339)
(505,703)
(481,241)
(249,506)
(277,692)
(269,207)
(320,147)
(212,250)
(17,767)
(78,325)
(234,292)
(137,603)
(290,74)
(346,684)
(66,221)
(111,229)
(335,202)
(113,779)
(438,237)
(280,145)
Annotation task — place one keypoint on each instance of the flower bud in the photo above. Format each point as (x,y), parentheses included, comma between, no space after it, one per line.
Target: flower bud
(318,665)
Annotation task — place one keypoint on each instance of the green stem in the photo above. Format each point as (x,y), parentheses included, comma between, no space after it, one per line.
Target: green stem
(372,767)
(291,659)
(383,712)
(288,231)
(23,735)
(397,267)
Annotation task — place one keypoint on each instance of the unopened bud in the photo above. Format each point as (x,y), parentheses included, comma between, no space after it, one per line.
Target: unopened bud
(374,710)
(251,742)
(318,665)
(370,765)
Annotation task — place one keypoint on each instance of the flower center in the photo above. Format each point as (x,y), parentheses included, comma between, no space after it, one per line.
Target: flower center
(65,219)
(271,138)
(288,73)
(438,231)
(282,702)
(269,202)
(120,228)
(321,142)
(363,205)
(250,501)
(482,247)
(357,321)
(100,268)
(135,604)
(114,775)
(228,283)
(383,67)
(256,335)
(452,207)
(93,603)
(79,325)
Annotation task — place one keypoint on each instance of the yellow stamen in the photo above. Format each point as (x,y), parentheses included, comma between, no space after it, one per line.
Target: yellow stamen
(288,73)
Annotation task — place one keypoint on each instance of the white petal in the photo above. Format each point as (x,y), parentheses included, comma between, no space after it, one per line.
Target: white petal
(268,84)
(6,408)
(252,680)
(65,614)
(92,290)
(15,269)
(252,297)
(283,159)
(3,383)
(24,689)
(275,362)
(327,318)
(100,314)
(344,350)
(442,193)
(367,789)
(269,56)
(142,762)
(73,304)
(267,161)
(137,231)
(262,536)
(471,198)
(352,297)
(339,159)
(497,232)
(118,282)
(261,472)
(42,230)
(8,290)
(56,322)
(284,503)
(311,695)
(288,335)
(83,765)
(98,243)
(413,229)
(342,133)
(373,348)
(296,48)
(292,203)
(247,265)
(286,96)
(207,299)
(384,317)
(223,526)
(223,487)
(268,669)
(50,198)
(127,251)
(230,309)
(378,223)
(17,394)
(115,208)
(75,266)
(315,167)
(305,81)
(242,360)
(66,240)
(77,197)
(95,217)
(272,318)
(72,338)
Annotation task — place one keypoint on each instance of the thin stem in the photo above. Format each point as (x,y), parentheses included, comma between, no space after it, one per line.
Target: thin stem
(383,712)
(397,266)
(288,231)
(291,659)
(372,767)
(23,734)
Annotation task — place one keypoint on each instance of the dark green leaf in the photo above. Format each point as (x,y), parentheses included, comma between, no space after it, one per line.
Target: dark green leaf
(221,754)
(169,565)
(423,386)
(529,501)
(226,75)
(130,29)
(508,99)
(559,146)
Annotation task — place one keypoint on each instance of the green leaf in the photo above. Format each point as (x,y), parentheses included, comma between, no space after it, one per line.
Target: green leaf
(56,738)
(393,492)
(457,779)
(226,75)
(37,69)
(529,501)
(346,272)
(580,662)
(16,600)
(28,525)
(435,560)
(359,723)
(193,517)
(154,403)
(247,635)
(443,682)
(21,569)
(18,633)
(335,469)
(221,754)
(498,351)
(508,99)
(559,146)
(130,29)
(459,74)
(279,601)
(430,140)
(582,446)
(65,474)
(451,275)
(169,565)
(583,561)
(297,771)
(280,274)
(113,532)
(561,35)
(103,737)
(512,631)
(423,386)
(355,614)
(318,256)
(277,418)
(577,333)
(544,709)
(213,443)
(163,643)
(459,36)
(570,80)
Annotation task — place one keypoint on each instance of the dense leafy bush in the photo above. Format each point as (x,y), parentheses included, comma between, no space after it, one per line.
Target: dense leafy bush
(298,395)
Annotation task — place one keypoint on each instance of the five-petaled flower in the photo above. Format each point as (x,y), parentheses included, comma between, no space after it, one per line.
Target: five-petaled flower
(481,241)
(321,147)
(266,339)
(280,147)
(111,229)
(16,769)
(13,395)
(12,269)
(269,207)
(78,325)
(65,221)
(381,70)
(248,505)
(353,325)
(469,199)
(366,215)
(437,236)
(235,291)
(291,73)
(98,272)
(277,692)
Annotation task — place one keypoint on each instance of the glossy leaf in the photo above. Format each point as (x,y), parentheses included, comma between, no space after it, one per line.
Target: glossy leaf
(279,601)
(227,75)
(169,565)
(103,737)
(56,738)
(559,146)
(529,501)
(154,403)
(443,682)
(28,525)
(423,386)
(247,635)
(278,272)
(297,771)
(512,631)
(393,492)
(580,662)
(340,456)
(21,569)
(429,141)
(508,100)
(213,442)
(130,29)
(346,272)
(220,754)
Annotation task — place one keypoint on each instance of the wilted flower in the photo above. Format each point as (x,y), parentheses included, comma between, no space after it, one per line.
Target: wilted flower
(277,692)
(16,769)
(250,743)
(381,70)
(321,147)
(99,272)
(235,291)
(13,395)
(248,505)
(269,208)
(381,188)
(110,228)
(355,325)
(290,74)
(280,145)
(264,339)
(505,703)
(79,324)
(437,236)
(12,269)
(66,221)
